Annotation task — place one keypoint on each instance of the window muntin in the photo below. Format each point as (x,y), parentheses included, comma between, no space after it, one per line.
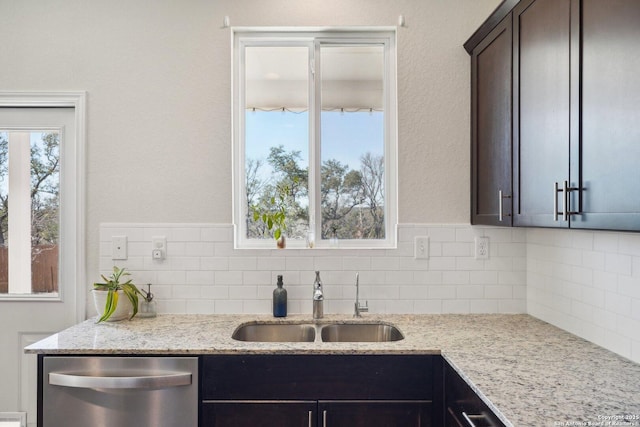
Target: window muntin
(329,101)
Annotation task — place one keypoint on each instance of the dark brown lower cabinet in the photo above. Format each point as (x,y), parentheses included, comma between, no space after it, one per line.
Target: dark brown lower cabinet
(347,413)
(321,390)
(375,413)
(337,391)
(259,413)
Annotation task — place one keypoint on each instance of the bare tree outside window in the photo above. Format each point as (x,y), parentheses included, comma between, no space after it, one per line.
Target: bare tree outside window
(45,205)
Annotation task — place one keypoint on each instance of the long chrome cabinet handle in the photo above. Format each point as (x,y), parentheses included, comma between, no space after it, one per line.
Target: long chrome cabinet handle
(469,418)
(501,197)
(565,190)
(324,418)
(166,380)
(555,201)
(310,418)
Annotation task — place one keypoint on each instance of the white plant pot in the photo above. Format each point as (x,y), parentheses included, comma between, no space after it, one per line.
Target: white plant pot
(124,309)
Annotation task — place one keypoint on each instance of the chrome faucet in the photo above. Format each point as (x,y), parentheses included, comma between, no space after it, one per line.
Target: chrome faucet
(359,308)
(318,297)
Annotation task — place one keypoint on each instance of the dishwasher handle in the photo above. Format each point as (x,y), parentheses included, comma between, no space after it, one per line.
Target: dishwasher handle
(164,380)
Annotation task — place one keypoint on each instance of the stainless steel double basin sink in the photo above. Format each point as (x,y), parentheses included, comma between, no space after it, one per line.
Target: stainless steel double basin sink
(309,332)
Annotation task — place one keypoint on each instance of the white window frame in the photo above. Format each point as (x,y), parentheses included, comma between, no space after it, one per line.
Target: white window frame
(313,37)
(72,192)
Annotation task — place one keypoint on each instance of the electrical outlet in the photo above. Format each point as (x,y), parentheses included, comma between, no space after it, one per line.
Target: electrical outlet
(421,247)
(118,247)
(482,248)
(158,247)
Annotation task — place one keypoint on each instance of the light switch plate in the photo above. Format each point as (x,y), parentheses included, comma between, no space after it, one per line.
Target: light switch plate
(421,247)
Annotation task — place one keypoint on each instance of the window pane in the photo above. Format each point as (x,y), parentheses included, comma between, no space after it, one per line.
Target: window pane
(37,197)
(352,142)
(276,139)
(45,207)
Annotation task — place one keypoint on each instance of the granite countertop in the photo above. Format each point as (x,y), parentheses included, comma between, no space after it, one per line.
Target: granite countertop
(531,373)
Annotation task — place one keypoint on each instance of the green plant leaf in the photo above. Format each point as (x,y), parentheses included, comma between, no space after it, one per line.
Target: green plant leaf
(110,305)
(277,234)
(131,291)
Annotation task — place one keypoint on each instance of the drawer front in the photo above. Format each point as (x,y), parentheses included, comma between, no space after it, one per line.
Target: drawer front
(318,377)
(258,413)
(374,413)
(464,408)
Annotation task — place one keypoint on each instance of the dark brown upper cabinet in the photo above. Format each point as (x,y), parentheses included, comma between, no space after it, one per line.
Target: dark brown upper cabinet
(575,114)
(491,107)
(609,173)
(542,111)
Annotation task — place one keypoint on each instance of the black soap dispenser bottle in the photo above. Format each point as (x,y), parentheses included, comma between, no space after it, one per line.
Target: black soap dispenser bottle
(280,299)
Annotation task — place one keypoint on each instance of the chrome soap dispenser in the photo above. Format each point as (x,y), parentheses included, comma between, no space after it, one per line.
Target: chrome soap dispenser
(147,307)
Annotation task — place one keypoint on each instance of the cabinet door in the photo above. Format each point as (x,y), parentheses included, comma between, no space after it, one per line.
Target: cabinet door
(259,414)
(491,127)
(610,115)
(541,116)
(367,413)
(464,405)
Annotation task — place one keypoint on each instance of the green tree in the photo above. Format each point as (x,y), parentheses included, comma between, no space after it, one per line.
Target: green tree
(351,201)
(339,194)
(263,193)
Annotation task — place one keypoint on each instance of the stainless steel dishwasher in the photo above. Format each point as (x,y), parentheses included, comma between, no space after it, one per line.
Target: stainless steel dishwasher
(119,391)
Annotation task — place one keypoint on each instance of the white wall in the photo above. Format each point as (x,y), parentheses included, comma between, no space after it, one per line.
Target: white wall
(157,73)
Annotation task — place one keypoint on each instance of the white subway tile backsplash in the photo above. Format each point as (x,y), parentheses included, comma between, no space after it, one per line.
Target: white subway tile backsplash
(427,306)
(442,292)
(483,306)
(228,306)
(457,249)
(455,277)
(617,263)
(203,273)
(471,292)
(629,244)
(456,306)
(199,277)
(588,287)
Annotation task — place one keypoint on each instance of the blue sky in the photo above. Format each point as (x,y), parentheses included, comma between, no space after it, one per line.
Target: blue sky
(345,136)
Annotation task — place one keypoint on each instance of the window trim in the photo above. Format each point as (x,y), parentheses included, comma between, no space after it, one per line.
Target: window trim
(314,38)
(72,255)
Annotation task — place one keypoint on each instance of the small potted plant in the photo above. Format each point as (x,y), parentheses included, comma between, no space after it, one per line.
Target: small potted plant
(274,215)
(108,296)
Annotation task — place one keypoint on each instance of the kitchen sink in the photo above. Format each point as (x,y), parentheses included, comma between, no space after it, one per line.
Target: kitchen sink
(360,332)
(275,332)
(306,332)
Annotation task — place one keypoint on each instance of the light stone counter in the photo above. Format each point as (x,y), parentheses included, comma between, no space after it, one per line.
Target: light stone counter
(532,373)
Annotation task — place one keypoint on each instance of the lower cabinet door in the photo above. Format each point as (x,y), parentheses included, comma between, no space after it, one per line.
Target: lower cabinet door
(463,406)
(375,413)
(259,414)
